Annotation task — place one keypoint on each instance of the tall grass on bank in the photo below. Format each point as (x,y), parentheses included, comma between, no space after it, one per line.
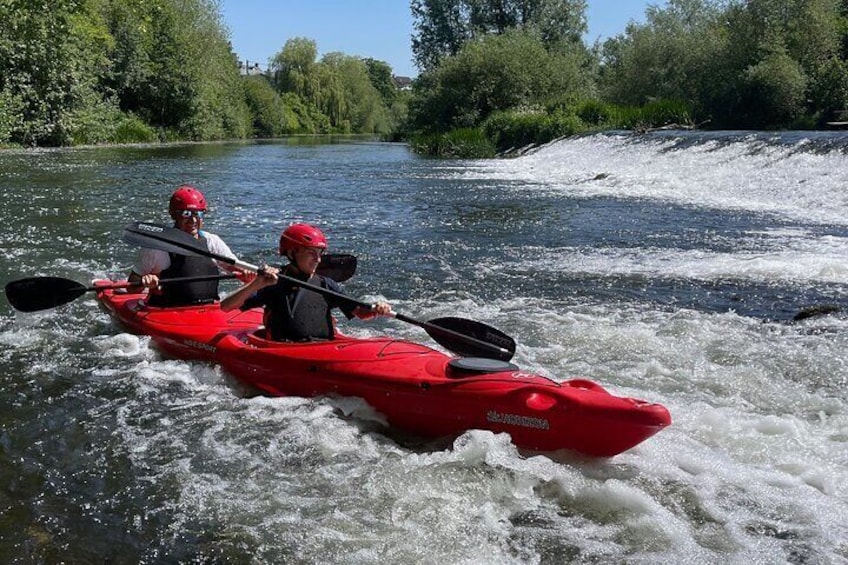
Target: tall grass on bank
(509,131)
(655,114)
(464,143)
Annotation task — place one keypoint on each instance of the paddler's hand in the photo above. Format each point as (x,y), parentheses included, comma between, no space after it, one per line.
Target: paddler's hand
(377,309)
(150,281)
(245,276)
(267,276)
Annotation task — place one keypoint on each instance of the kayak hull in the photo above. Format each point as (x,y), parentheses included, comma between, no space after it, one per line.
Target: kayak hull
(415,388)
(184,332)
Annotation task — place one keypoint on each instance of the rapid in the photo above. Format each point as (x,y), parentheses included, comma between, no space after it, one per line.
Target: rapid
(666,266)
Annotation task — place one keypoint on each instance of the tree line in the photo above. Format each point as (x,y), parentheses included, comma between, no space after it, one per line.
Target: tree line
(115,71)
(494,75)
(499,75)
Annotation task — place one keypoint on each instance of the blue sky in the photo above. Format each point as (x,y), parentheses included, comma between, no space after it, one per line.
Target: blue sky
(380,29)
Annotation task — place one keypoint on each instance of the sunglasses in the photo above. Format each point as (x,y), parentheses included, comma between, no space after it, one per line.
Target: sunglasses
(189,213)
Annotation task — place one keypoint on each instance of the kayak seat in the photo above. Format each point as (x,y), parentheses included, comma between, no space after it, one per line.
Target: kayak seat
(467,366)
(260,334)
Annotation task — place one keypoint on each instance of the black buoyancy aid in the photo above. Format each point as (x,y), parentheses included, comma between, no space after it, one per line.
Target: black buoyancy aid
(183,294)
(305,315)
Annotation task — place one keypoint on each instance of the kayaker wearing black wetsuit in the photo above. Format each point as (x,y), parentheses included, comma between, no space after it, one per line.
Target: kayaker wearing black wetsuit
(291,312)
(187,208)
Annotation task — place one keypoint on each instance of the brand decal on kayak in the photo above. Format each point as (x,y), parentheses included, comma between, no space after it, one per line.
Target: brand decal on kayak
(200,345)
(516,420)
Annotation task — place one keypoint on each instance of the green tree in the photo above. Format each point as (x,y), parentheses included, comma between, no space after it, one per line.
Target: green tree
(829,90)
(554,20)
(759,63)
(773,91)
(309,118)
(271,118)
(801,41)
(442,27)
(380,75)
(351,101)
(218,109)
(497,72)
(293,69)
(672,55)
(339,87)
(50,59)
(173,66)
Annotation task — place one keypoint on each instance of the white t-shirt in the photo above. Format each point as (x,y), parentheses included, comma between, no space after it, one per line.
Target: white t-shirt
(155,260)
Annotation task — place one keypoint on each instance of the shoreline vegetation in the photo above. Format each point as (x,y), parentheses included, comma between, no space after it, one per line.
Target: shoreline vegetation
(494,80)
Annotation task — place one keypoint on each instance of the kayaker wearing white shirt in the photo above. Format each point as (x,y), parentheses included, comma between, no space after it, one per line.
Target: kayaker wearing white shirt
(187,208)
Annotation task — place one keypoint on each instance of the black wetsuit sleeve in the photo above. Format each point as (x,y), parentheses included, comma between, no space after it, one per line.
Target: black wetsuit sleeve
(345,306)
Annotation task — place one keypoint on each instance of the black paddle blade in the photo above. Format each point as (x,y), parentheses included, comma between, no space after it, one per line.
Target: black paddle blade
(40,293)
(164,238)
(337,266)
(476,330)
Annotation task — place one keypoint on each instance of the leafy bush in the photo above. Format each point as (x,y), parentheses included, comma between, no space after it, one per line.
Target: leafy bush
(10,114)
(105,123)
(596,113)
(133,130)
(94,124)
(774,90)
(271,117)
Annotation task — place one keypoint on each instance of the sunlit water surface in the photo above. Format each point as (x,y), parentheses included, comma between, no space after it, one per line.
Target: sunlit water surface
(666,267)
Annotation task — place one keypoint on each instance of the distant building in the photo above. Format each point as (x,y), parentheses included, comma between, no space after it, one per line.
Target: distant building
(245,68)
(402,83)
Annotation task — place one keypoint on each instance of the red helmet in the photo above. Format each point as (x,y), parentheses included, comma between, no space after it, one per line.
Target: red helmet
(301,235)
(186,197)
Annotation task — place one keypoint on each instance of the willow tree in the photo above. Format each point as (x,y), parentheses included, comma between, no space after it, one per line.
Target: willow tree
(363,110)
(293,68)
(339,86)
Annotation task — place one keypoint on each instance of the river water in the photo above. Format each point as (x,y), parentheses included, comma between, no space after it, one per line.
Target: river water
(666,266)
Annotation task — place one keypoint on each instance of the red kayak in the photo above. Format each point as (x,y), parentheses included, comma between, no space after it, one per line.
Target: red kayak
(416,388)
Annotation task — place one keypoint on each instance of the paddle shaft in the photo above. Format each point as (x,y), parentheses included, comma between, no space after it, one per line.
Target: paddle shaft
(174,240)
(430,328)
(127,284)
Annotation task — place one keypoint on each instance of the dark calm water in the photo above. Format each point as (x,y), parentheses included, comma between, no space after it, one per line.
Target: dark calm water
(667,267)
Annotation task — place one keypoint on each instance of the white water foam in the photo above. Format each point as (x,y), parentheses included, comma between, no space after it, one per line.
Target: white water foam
(753,469)
(745,176)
